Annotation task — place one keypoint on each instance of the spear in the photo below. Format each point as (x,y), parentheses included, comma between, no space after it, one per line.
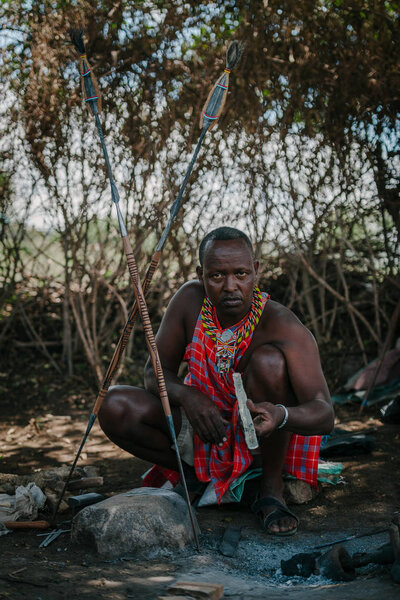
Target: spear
(91,98)
(210,114)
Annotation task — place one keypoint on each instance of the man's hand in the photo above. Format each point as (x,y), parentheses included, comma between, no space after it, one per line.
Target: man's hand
(266,417)
(204,417)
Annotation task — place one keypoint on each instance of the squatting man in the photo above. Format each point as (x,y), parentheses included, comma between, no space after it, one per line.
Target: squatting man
(221,324)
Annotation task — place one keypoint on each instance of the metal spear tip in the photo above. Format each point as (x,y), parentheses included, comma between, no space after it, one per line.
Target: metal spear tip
(234,54)
(76,35)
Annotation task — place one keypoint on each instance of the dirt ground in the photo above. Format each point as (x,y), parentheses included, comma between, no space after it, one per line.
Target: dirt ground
(46,436)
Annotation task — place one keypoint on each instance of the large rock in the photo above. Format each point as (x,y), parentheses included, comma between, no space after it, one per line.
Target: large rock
(298,491)
(136,522)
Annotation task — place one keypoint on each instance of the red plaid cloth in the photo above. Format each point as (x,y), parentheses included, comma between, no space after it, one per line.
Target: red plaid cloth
(222,465)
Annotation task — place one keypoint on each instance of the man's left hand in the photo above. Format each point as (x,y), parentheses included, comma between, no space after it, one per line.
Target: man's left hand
(266,417)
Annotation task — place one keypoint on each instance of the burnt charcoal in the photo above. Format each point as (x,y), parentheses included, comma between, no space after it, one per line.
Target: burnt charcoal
(302,565)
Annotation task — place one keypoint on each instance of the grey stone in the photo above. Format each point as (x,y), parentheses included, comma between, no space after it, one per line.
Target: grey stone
(298,491)
(135,522)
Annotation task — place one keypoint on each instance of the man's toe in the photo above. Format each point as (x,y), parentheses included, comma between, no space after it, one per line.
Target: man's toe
(283,525)
(288,524)
(275,527)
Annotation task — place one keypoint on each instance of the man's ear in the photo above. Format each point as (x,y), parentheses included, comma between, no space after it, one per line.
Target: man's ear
(256,265)
(199,272)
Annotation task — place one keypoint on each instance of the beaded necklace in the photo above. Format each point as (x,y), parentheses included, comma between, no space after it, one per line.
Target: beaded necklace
(228,340)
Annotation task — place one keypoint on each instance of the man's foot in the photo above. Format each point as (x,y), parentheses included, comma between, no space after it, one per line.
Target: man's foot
(275,516)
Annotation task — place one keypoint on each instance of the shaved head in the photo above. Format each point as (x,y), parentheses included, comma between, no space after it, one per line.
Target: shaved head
(223,234)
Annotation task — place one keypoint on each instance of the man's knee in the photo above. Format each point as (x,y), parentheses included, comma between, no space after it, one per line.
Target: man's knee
(122,407)
(266,374)
(267,362)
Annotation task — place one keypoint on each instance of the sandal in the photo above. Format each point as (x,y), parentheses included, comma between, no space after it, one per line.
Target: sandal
(280,512)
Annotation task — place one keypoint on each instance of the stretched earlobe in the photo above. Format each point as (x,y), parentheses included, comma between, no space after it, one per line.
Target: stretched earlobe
(199,272)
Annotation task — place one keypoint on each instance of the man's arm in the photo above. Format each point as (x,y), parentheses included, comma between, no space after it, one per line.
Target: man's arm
(172,338)
(313,414)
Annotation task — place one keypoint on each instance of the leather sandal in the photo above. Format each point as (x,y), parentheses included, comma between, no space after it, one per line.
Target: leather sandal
(280,512)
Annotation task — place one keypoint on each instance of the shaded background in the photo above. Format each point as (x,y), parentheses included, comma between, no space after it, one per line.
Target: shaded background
(305,159)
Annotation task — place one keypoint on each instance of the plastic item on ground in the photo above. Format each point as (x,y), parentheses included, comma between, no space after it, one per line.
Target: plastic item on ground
(230,541)
(378,395)
(3,529)
(388,372)
(24,504)
(348,445)
(330,472)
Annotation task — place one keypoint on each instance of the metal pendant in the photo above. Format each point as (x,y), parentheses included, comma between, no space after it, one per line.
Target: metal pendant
(225,350)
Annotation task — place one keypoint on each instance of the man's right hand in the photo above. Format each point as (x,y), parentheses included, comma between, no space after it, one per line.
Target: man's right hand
(204,417)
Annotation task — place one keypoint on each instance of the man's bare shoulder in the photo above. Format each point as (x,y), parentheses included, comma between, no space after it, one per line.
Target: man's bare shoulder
(190,291)
(188,299)
(183,310)
(279,323)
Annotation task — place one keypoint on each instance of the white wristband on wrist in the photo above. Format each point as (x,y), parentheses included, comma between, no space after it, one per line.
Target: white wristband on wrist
(285,418)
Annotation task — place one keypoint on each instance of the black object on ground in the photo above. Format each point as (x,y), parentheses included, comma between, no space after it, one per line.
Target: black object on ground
(394,532)
(391,412)
(348,445)
(395,570)
(336,564)
(381,556)
(301,565)
(230,541)
(78,502)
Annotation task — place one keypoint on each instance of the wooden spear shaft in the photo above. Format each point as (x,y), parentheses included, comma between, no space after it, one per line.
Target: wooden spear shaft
(158,371)
(124,338)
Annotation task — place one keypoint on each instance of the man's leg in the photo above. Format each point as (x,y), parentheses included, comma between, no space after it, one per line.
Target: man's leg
(134,419)
(266,380)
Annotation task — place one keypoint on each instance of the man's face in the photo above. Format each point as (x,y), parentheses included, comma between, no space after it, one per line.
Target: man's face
(229,275)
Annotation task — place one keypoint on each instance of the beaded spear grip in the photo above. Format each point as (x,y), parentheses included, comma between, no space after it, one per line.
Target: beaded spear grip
(214,105)
(124,338)
(148,330)
(90,89)
(88,76)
